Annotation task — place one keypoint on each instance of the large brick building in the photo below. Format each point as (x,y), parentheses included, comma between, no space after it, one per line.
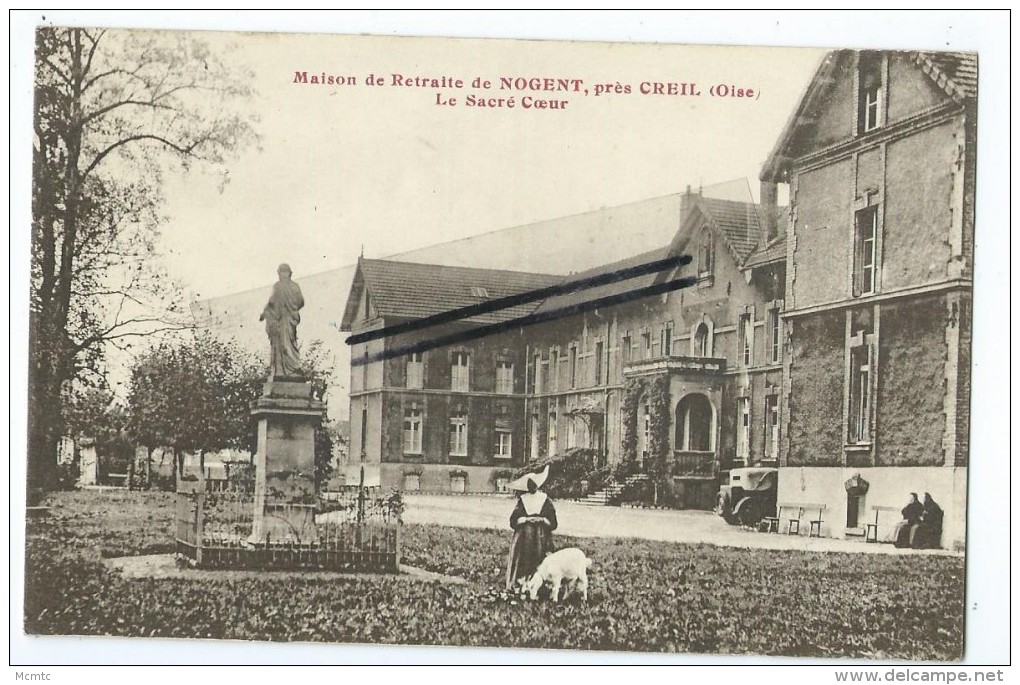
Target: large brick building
(830,338)
(445,419)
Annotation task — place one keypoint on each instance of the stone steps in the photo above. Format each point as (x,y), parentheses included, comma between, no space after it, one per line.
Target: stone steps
(603,497)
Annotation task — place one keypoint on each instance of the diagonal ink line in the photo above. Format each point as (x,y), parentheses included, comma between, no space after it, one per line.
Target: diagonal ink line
(521,298)
(529,320)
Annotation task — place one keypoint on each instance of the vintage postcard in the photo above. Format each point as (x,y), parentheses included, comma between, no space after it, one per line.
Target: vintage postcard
(605,347)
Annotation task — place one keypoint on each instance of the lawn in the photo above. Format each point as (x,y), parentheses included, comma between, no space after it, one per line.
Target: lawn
(645,595)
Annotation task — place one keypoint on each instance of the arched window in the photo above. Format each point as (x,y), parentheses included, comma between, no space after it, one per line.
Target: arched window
(694,424)
(702,341)
(705,254)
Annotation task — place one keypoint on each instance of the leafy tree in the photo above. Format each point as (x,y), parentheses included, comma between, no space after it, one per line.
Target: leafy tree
(114,112)
(194,396)
(94,413)
(320,366)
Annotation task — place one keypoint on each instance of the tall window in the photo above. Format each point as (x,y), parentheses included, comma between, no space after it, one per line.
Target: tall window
(702,343)
(554,370)
(364,430)
(415,370)
(458,435)
(746,339)
(573,366)
(504,377)
(412,431)
(646,431)
(865,232)
(535,423)
(503,443)
(537,381)
(646,344)
(860,395)
(743,428)
(772,426)
(552,433)
(705,254)
(460,371)
(774,340)
(597,361)
(364,368)
(666,339)
(869,104)
(625,348)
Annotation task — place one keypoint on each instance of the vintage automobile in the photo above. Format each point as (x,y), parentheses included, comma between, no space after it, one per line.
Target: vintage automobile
(749,496)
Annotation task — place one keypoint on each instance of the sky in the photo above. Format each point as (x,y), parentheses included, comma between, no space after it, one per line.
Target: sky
(386,171)
(383,170)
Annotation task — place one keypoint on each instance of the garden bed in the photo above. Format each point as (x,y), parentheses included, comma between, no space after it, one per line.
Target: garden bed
(645,595)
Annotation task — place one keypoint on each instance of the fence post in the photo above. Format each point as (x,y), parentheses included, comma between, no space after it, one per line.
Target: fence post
(361,509)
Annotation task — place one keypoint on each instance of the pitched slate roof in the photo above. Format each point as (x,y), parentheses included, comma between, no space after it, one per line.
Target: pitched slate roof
(407,290)
(955,72)
(618,288)
(738,223)
(771,254)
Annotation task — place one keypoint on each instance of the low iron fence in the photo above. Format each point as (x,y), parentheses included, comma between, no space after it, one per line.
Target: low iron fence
(356,530)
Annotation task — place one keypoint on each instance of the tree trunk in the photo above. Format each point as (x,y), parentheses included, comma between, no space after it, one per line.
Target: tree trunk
(44,427)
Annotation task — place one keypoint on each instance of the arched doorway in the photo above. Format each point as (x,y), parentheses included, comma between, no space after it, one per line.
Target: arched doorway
(694,423)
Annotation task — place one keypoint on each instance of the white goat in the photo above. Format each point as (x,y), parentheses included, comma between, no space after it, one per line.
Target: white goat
(569,565)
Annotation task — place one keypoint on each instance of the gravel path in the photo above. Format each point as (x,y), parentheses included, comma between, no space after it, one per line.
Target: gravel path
(166,566)
(627,522)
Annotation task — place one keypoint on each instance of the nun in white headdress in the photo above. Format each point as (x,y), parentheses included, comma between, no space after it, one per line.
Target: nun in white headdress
(533,521)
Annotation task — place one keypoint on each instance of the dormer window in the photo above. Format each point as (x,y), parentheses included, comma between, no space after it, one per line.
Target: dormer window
(869,102)
(705,254)
(478,291)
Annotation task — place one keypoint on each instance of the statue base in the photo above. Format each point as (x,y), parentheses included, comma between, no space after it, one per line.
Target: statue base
(285,488)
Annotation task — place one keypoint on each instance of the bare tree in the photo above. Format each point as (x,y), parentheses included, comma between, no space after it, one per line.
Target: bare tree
(114,112)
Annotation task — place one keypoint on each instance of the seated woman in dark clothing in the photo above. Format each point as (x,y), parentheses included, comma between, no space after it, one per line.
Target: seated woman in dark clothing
(928,534)
(911,518)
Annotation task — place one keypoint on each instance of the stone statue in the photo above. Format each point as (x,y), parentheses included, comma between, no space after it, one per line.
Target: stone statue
(282,318)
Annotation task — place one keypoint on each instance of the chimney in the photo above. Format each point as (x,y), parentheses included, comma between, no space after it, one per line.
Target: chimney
(770,210)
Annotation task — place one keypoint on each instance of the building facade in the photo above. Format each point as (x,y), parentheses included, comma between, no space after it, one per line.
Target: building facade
(829,338)
(880,159)
(448,419)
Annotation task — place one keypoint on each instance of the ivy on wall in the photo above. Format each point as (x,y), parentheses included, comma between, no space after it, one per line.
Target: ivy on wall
(659,420)
(655,391)
(632,391)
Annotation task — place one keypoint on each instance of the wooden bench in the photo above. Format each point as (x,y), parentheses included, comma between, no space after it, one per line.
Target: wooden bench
(871,530)
(793,525)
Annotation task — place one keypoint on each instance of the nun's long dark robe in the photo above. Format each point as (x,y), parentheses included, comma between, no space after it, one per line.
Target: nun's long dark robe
(532,540)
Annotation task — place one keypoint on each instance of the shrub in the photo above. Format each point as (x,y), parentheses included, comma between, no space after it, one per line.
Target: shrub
(566,471)
(67,476)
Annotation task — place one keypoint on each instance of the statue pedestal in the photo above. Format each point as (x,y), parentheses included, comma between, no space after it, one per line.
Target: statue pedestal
(285,492)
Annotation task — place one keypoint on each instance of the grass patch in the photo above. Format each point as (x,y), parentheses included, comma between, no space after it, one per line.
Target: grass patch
(645,595)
